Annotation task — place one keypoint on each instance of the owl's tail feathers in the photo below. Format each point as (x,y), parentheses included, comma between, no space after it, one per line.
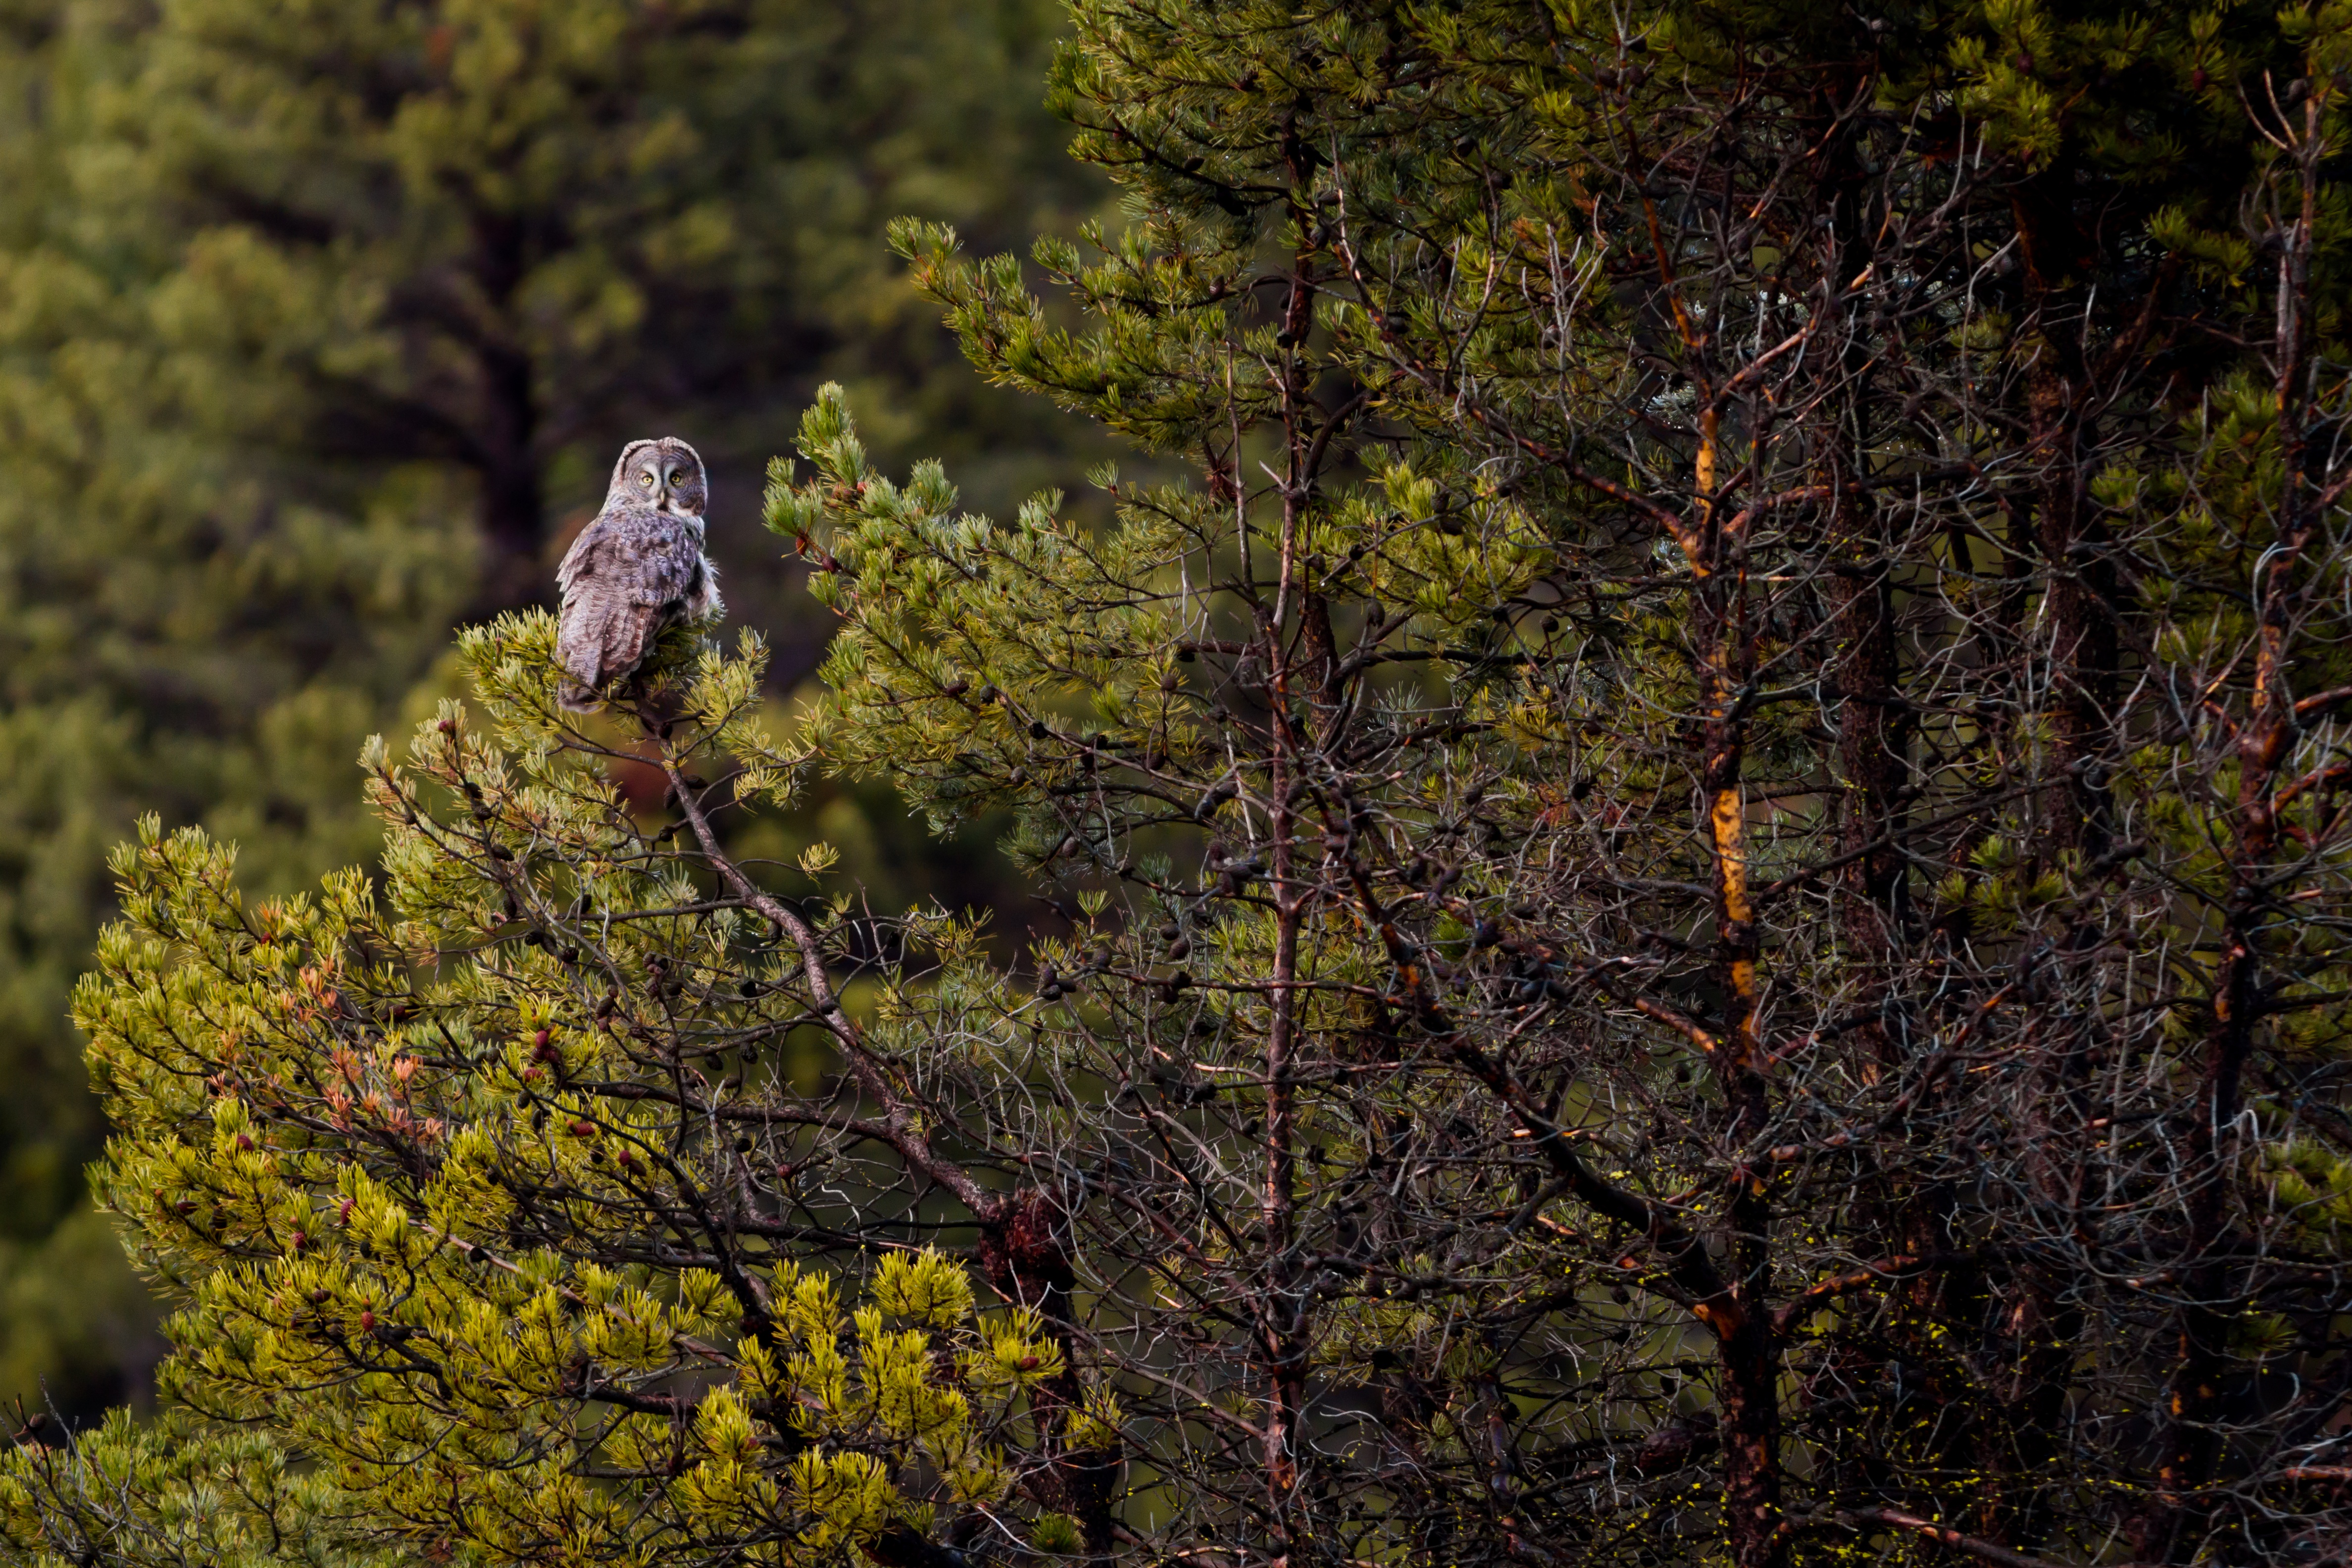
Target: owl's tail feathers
(578,657)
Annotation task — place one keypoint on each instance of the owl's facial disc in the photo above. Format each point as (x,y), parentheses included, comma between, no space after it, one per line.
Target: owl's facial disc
(679,489)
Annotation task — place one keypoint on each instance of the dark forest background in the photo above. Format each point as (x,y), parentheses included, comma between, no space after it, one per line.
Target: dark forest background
(320,323)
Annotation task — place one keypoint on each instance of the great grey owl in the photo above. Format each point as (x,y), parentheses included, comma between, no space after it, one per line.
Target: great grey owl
(636,570)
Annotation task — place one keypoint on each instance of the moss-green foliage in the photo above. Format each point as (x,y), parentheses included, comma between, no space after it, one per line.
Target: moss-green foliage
(398,1153)
(319,326)
(207,1497)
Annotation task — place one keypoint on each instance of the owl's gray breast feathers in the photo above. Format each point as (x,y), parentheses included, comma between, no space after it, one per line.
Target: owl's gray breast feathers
(631,573)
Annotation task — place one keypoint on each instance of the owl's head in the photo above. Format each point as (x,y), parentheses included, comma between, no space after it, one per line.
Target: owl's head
(665,475)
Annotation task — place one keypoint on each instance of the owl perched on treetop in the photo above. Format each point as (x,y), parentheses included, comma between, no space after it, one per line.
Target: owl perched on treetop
(636,570)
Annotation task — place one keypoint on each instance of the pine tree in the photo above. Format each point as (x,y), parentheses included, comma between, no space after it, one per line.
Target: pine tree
(317,325)
(678,1374)
(1709,854)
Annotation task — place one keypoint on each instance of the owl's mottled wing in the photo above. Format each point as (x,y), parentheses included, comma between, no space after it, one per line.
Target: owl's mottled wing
(624,575)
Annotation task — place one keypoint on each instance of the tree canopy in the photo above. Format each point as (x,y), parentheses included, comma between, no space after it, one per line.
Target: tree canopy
(319,327)
(1709,842)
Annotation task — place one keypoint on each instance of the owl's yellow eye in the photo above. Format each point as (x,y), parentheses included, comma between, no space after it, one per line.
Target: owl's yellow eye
(646,478)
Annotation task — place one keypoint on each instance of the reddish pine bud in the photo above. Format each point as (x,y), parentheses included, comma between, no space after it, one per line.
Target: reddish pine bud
(367,1321)
(1028,1363)
(583,1129)
(2198,79)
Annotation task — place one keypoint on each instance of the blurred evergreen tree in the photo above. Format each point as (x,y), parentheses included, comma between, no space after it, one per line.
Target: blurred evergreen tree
(318,324)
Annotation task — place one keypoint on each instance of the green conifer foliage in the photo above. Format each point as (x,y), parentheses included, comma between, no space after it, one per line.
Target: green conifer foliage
(407,1174)
(1710,855)
(319,325)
